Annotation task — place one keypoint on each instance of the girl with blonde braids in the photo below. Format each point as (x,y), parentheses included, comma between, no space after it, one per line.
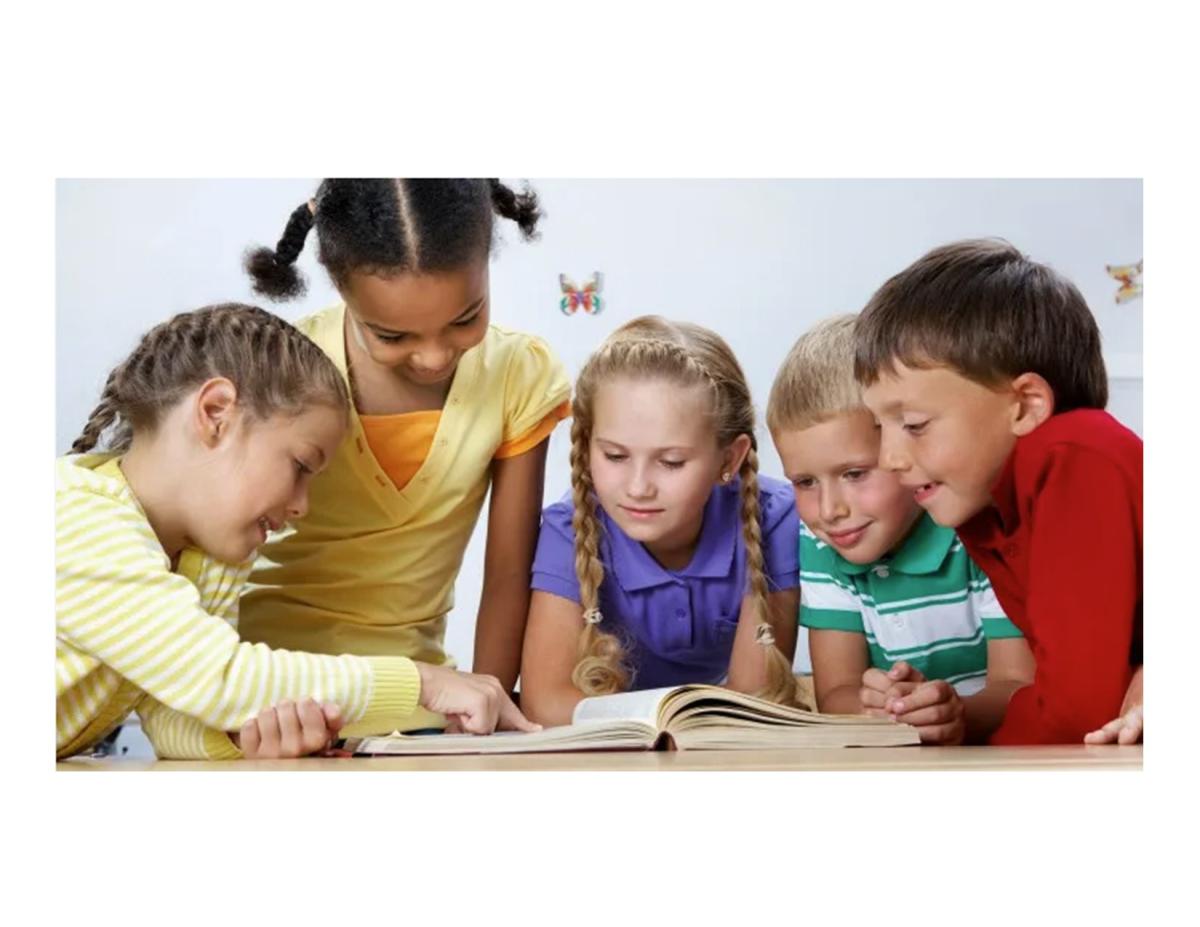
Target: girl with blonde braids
(212,430)
(672,561)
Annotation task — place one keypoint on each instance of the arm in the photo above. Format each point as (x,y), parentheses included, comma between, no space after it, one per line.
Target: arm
(513,518)
(1082,597)
(747,663)
(551,651)
(1010,667)
(839,660)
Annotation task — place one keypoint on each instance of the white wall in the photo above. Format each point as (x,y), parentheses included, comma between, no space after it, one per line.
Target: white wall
(757,260)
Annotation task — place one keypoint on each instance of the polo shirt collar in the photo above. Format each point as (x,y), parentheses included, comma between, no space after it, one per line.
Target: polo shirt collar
(923,551)
(635,569)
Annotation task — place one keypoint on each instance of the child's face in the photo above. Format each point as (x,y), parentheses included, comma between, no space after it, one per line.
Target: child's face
(946,436)
(845,498)
(419,325)
(258,479)
(654,460)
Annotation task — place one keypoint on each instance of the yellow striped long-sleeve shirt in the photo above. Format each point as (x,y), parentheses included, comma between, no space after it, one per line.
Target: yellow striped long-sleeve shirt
(134,635)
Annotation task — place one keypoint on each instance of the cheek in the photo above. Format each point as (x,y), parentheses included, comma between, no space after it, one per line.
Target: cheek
(808,506)
(882,496)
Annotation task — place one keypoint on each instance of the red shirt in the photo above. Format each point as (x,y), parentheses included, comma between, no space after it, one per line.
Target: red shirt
(1062,546)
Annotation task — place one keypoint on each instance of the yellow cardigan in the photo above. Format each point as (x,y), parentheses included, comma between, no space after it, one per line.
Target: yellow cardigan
(133,635)
(371,568)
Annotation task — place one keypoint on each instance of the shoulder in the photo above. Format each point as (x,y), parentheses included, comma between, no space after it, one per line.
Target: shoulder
(518,353)
(1087,433)
(323,326)
(81,476)
(556,519)
(90,506)
(777,504)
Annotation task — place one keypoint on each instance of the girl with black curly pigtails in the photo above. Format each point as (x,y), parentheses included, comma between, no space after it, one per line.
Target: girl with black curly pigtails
(445,406)
(672,561)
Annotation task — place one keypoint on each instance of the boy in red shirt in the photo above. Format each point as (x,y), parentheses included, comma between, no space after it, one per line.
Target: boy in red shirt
(984,371)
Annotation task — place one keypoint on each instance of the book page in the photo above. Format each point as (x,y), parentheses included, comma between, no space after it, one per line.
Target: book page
(632,706)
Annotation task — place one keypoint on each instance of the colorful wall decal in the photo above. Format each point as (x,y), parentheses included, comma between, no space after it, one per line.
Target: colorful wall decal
(586,297)
(1130,278)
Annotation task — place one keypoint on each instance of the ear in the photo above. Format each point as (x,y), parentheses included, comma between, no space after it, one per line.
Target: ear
(215,408)
(734,456)
(1034,402)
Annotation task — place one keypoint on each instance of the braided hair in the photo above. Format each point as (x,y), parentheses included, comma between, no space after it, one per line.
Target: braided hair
(274,366)
(391,226)
(691,356)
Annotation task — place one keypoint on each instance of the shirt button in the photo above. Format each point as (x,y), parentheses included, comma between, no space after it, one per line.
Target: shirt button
(680,613)
(881,571)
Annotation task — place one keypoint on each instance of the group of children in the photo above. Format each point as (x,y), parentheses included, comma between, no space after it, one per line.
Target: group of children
(260,527)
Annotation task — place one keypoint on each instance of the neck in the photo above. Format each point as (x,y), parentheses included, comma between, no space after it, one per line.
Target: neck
(675,553)
(156,484)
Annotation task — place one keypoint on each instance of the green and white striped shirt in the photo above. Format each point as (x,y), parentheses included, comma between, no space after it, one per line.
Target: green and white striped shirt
(926,603)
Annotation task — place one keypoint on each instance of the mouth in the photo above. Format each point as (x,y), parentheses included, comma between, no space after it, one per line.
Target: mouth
(267,526)
(641,514)
(925,492)
(847,538)
(433,376)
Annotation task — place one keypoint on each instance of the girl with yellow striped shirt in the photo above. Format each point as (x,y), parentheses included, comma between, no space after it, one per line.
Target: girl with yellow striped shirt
(445,407)
(219,420)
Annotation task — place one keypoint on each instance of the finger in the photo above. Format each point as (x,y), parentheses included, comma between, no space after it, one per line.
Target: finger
(901,669)
(899,690)
(291,741)
(1107,734)
(453,725)
(941,734)
(926,694)
(872,698)
(876,713)
(268,734)
(480,710)
(877,680)
(511,718)
(334,719)
(1131,732)
(314,735)
(250,740)
(940,713)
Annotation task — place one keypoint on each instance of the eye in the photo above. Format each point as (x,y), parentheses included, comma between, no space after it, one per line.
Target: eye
(915,428)
(856,474)
(804,482)
(301,467)
(673,464)
(613,456)
(390,339)
(463,323)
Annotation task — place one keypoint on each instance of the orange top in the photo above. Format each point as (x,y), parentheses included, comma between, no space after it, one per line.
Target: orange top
(400,443)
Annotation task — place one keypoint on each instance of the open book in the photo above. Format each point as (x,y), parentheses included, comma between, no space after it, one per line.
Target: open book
(683,718)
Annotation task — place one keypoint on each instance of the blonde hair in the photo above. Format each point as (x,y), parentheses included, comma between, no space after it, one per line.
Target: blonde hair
(651,347)
(273,365)
(816,382)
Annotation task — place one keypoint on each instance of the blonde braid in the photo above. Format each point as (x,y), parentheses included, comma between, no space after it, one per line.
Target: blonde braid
(781,683)
(601,667)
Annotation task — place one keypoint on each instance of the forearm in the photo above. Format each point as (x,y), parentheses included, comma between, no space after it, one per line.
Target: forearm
(840,700)
(983,712)
(550,705)
(500,628)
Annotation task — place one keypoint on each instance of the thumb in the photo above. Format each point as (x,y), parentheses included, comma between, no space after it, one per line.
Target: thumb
(900,670)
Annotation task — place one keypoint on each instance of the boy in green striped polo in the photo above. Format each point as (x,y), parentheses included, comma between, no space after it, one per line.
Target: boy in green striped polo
(901,622)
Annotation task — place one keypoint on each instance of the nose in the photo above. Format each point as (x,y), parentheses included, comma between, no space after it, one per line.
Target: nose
(833,505)
(892,453)
(433,358)
(641,486)
(298,504)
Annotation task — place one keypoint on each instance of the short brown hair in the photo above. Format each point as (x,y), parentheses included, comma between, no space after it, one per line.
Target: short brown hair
(816,381)
(989,312)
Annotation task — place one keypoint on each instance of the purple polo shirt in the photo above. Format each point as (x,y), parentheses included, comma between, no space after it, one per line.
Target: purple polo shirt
(678,625)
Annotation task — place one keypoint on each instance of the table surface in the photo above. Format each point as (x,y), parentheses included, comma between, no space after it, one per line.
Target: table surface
(1072,757)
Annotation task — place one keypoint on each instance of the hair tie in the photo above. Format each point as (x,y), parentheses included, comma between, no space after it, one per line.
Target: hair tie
(592,616)
(763,636)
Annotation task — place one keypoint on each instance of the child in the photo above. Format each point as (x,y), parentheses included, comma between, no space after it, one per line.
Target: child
(444,404)
(673,561)
(221,418)
(893,604)
(985,372)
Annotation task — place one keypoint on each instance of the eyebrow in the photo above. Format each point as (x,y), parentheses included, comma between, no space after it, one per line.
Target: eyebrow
(380,330)
(658,450)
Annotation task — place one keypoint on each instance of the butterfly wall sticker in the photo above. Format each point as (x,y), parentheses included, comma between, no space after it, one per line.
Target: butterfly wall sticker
(586,297)
(1130,278)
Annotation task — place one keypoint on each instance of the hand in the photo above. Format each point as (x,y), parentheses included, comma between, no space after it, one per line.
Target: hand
(288,730)
(934,709)
(1126,729)
(471,703)
(879,687)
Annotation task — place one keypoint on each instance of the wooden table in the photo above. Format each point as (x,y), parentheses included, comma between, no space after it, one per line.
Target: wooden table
(1075,757)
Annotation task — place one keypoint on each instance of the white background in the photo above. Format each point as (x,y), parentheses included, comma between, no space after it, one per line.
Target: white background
(756,260)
